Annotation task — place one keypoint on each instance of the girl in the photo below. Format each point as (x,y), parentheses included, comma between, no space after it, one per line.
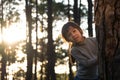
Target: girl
(84,50)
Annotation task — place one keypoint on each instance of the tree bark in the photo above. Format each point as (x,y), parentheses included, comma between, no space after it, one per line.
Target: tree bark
(107,22)
(29,48)
(3,65)
(76,12)
(90,18)
(2,46)
(50,47)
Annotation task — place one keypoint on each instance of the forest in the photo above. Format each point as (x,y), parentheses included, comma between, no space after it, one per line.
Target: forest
(31,44)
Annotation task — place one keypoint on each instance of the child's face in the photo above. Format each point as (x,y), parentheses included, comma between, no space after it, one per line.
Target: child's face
(74,35)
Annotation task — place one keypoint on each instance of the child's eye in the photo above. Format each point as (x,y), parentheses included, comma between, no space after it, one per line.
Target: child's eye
(74,30)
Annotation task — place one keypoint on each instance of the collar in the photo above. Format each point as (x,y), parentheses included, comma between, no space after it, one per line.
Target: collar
(80,43)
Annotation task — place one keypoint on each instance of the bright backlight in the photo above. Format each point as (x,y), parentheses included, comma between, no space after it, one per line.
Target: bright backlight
(14,34)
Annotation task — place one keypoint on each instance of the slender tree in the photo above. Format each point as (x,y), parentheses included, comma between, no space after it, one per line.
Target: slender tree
(3,61)
(2,48)
(29,48)
(90,17)
(76,11)
(36,51)
(50,47)
(70,63)
(107,22)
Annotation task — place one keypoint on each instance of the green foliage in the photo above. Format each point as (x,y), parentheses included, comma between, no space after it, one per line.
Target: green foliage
(62,77)
(59,48)
(59,9)
(20,74)
(42,8)
(83,10)
(60,52)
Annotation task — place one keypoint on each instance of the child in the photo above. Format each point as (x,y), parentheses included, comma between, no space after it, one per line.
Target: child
(84,50)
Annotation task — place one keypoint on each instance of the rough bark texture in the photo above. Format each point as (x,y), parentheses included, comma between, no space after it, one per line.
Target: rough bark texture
(107,22)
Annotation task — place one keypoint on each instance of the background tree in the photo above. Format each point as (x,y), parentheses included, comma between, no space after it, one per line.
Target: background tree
(79,12)
(107,22)
(71,76)
(29,48)
(90,18)
(3,60)
(7,13)
(76,11)
(50,47)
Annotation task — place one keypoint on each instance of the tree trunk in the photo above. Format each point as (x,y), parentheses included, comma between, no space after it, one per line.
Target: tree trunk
(29,44)
(107,22)
(90,29)
(50,47)
(71,76)
(3,66)
(76,11)
(2,47)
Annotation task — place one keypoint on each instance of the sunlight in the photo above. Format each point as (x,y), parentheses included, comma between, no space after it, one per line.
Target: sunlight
(64,68)
(14,33)
(61,69)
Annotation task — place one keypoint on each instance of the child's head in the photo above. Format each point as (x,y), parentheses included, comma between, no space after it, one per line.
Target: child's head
(66,27)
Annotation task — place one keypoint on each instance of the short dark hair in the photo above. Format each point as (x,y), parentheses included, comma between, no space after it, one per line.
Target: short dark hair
(66,27)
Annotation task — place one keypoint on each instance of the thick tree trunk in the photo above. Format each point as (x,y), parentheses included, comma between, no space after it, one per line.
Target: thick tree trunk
(107,22)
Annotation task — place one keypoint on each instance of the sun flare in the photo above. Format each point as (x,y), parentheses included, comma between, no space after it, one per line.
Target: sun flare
(14,33)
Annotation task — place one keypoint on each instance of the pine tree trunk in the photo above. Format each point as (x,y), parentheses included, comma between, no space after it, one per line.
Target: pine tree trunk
(2,48)
(29,49)
(50,47)
(76,11)
(3,65)
(90,29)
(107,22)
